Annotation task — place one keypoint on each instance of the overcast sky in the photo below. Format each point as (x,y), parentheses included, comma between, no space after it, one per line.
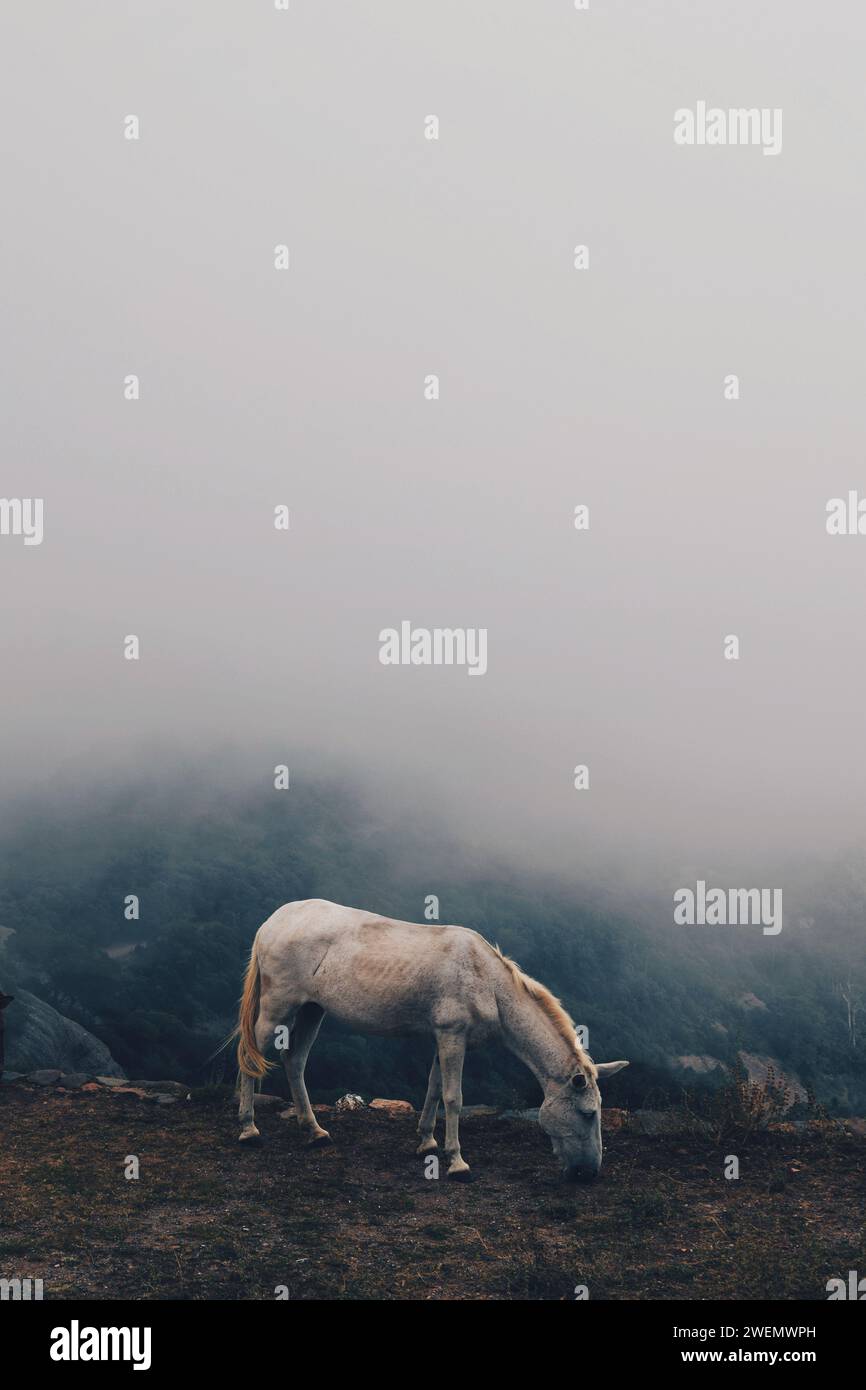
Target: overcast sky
(454,256)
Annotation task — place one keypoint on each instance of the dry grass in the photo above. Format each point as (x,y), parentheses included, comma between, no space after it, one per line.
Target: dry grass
(210,1220)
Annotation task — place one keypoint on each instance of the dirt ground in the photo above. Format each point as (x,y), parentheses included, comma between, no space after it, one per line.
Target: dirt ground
(207,1219)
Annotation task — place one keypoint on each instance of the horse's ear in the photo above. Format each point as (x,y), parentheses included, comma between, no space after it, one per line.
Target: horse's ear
(606,1069)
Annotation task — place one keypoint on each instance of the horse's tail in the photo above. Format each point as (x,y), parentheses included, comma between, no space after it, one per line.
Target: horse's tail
(250,1060)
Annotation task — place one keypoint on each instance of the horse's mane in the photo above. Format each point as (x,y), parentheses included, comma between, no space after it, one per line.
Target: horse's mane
(551,1006)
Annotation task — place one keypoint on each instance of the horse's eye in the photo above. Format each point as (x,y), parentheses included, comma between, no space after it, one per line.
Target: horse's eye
(578,1081)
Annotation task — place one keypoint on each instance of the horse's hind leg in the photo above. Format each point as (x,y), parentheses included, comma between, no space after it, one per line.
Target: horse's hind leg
(427,1122)
(307,1025)
(265,1027)
(249,1134)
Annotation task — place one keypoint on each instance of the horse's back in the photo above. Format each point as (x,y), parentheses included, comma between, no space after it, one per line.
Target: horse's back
(376,971)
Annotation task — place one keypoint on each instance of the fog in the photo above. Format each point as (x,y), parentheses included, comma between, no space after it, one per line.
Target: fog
(558,387)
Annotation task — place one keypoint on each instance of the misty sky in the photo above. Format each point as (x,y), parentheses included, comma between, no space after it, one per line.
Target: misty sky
(558,387)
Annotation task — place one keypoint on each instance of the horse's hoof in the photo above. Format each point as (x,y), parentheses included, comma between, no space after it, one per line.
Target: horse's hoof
(429,1146)
(251,1141)
(461,1175)
(319,1141)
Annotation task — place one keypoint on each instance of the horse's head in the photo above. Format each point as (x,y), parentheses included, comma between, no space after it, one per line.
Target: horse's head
(571,1117)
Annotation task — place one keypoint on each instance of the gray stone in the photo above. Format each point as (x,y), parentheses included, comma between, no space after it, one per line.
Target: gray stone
(169,1088)
(72,1080)
(268,1102)
(49,1077)
(163,1099)
(759,1069)
(111,1081)
(38,1038)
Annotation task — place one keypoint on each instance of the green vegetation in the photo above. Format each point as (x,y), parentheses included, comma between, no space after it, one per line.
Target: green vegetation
(209,867)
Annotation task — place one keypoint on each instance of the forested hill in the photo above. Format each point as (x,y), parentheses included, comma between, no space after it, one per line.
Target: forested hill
(207,868)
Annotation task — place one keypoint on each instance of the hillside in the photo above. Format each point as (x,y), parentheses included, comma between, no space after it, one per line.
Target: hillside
(207,867)
(358,1220)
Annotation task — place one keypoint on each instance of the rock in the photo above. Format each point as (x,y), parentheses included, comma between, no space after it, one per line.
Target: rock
(110,1080)
(12,1076)
(48,1077)
(349,1102)
(392,1107)
(758,1070)
(129,1091)
(528,1116)
(163,1098)
(751,1001)
(701,1063)
(92,1086)
(74,1080)
(469,1110)
(5,1001)
(40,1038)
(169,1088)
(855,1125)
(268,1102)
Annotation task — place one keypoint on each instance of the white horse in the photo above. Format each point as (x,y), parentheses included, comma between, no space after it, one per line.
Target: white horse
(381,976)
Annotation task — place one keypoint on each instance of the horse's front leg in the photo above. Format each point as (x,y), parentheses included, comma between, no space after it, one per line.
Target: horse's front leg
(427,1122)
(452,1049)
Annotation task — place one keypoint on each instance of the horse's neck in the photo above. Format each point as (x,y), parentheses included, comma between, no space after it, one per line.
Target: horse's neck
(532,1036)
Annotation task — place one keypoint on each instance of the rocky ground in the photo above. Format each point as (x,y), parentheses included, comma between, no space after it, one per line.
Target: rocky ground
(207,1219)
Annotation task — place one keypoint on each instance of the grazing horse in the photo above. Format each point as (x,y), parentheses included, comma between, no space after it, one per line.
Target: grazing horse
(378,975)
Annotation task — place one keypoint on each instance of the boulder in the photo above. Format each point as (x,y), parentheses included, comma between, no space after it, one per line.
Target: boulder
(40,1038)
(169,1088)
(698,1062)
(268,1102)
(349,1102)
(74,1080)
(392,1107)
(5,1001)
(48,1077)
(751,1001)
(758,1070)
